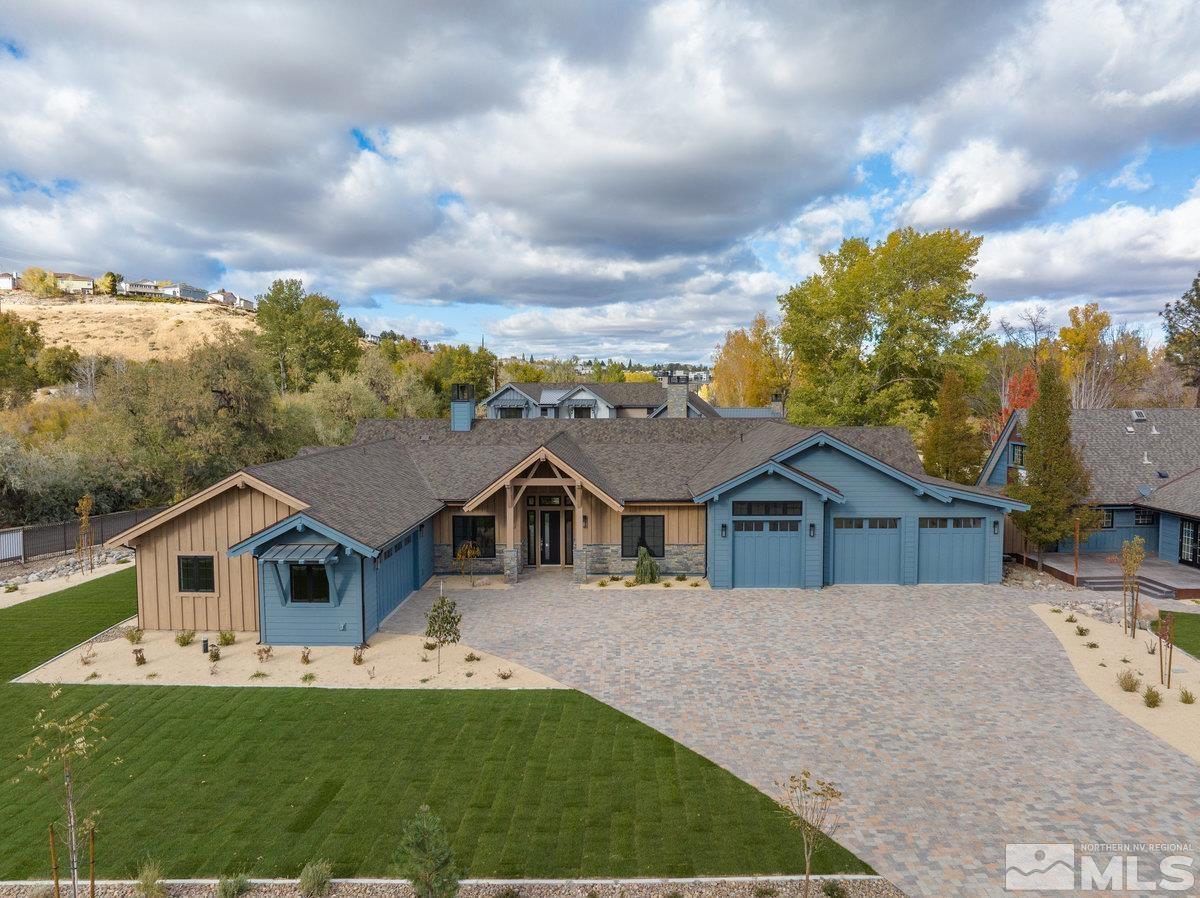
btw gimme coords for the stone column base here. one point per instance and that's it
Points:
(512, 565)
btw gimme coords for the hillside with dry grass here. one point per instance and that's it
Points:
(103, 325)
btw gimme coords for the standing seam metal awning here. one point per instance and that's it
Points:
(514, 402)
(302, 553)
(579, 403)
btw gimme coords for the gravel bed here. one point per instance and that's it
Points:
(768, 887)
(57, 566)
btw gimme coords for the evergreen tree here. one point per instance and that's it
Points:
(953, 448)
(1181, 324)
(425, 857)
(1057, 484)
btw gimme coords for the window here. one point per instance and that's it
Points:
(196, 573)
(638, 530)
(545, 413)
(847, 523)
(759, 509)
(581, 411)
(1017, 454)
(1143, 517)
(866, 523)
(550, 500)
(512, 413)
(951, 523)
(310, 585)
(477, 528)
(785, 526)
(1107, 515)
(748, 526)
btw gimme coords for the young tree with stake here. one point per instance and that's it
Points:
(441, 625)
(811, 807)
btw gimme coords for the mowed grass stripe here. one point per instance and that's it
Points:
(530, 783)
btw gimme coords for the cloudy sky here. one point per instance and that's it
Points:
(600, 177)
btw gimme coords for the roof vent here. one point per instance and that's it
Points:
(1129, 428)
(1145, 458)
(1154, 430)
(1163, 475)
(1137, 415)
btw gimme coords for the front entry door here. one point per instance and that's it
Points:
(1189, 542)
(551, 547)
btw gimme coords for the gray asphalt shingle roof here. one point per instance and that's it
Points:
(1124, 462)
(399, 472)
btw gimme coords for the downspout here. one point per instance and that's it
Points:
(362, 597)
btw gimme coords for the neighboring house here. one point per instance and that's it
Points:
(140, 288)
(232, 300)
(9, 281)
(1143, 465)
(320, 548)
(74, 283)
(597, 400)
(184, 291)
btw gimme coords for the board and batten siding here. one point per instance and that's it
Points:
(208, 529)
(683, 524)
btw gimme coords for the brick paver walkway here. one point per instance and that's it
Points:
(949, 715)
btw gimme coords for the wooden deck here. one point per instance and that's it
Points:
(1157, 577)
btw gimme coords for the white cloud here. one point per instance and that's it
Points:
(1131, 177)
(979, 184)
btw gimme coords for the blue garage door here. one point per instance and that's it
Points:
(951, 550)
(768, 553)
(866, 550)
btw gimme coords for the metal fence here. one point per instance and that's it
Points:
(23, 543)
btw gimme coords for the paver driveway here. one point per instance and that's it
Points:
(949, 715)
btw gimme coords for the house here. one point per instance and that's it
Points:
(9, 281)
(1143, 465)
(183, 291)
(320, 548)
(74, 283)
(597, 400)
(139, 288)
(232, 300)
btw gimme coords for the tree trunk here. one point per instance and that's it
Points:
(72, 840)
(1041, 549)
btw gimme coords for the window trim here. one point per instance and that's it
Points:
(505, 413)
(454, 545)
(178, 556)
(1108, 520)
(642, 538)
(324, 576)
(1015, 449)
(1152, 515)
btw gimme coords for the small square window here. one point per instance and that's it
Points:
(1143, 517)
(1107, 518)
(310, 584)
(197, 573)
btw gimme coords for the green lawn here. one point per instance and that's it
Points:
(530, 783)
(1187, 633)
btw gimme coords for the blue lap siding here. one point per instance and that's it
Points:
(1109, 540)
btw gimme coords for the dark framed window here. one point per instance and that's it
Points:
(1107, 516)
(639, 530)
(1144, 517)
(553, 501)
(197, 573)
(310, 585)
(784, 526)
(951, 523)
(530, 500)
(768, 509)
(748, 526)
(512, 413)
(581, 411)
(1017, 454)
(477, 528)
(866, 523)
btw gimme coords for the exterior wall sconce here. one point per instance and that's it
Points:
(995, 528)
(812, 529)
(724, 530)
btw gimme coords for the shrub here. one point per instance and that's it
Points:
(306, 655)
(833, 889)
(149, 676)
(87, 654)
(226, 637)
(11, 587)
(214, 654)
(429, 645)
(1151, 697)
(1151, 647)
(185, 638)
(1187, 696)
(470, 673)
(505, 674)
(666, 584)
(426, 858)
(1056, 610)
(1093, 645)
(264, 654)
(95, 675)
(1082, 631)
(646, 570)
(133, 634)
(424, 658)
(314, 878)
(764, 891)
(694, 583)
(602, 583)
(1071, 618)
(1129, 681)
(357, 657)
(213, 670)
(139, 657)
(681, 577)
(308, 678)
(1126, 661)
(630, 583)
(149, 880)
(616, 578)
(259, 675)
(472, 658)
(232, 886)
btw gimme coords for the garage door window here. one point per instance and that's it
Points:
(951, 523)
(748, 526)
(767, 509)
(866, 523)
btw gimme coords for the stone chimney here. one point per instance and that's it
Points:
(678, 388)
(462, 406)
(777, 404)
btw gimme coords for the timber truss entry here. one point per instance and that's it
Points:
(539, 474)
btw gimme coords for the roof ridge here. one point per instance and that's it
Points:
(323, 450)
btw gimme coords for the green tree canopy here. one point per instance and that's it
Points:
(873, 332)
(953, 449)
(461, 365)
(56, 365)
(20, 344)
(40, 282)
(1057, 484)
(108, 282)
(304, 335)
(1181, 324)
